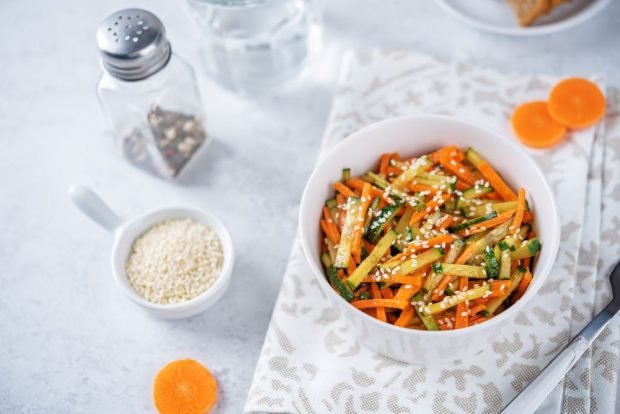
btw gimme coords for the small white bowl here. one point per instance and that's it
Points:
(126, 232)
(411, 136)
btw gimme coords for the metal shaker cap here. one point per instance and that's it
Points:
(133, 44)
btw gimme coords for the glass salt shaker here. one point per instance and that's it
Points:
(149, 94)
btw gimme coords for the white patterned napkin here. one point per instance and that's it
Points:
(310, 361)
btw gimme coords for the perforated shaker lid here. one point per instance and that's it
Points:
(133, 44)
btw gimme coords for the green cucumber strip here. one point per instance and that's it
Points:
(371, 209)
(476, 192)
(372, 260)
(411, 265)
(331, 249)
(331, 203)
(376, 180)
(403, 223)
(473, 157)
(515, 279)
(504, 266)
(468, 223)
(375, 229)
(428, 320)
(327, 261)
(451, 301)
(351, 224)
(527, 250)
(339, 285)
(436, 177)
(502, 207)
(455, 251)
(432, 281)
(474, 272)
(346, 175)
(492, 265)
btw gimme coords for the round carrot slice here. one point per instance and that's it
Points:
(576, 103)
(534, 126)
(184, 387)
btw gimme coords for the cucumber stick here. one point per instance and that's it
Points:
(504, 265)
(475, 272)
(515, 279)
(411, 265)
(343, 255)
(428, 321)
(339, 285)
(385, 216)
(372, 260)
(492, 264)
(527, 250)
(451, 301)
(477, 220)
(480, 210)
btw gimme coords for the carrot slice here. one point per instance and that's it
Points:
(184, 386)
(576, 103)
(457, 168)
(405, 316)
(384, 163)
(331, 232)
(534, 126)
(516, 223)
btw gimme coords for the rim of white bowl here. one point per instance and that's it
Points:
(529, 293)
(589, 12)
(220, 282)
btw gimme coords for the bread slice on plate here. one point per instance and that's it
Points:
(529, 10)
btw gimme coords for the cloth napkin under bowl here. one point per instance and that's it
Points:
(311, 362)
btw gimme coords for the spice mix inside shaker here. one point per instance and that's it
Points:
(149, 94)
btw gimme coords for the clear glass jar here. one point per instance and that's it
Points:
(149, 94)
(254, 45)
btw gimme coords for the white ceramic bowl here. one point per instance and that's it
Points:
(411, 136)
(125, 232)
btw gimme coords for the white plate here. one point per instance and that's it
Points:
(497, 16)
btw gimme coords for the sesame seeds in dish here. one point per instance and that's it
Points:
(434, 242)
(174, 261)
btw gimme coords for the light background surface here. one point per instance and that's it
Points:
(69, 340)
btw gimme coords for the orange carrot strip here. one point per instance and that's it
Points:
(405, 316)
(462, 309)
(526, 262)
(419, 215)
(441, 286)
(380, 303)
(332, 234)
(528, 217)
(499, 288)
(376, 295)
(516, 223)
(386, 293)
(525, 282)
(458, 169)
(351, 266)
(469, 250)
(496, 181)
(488, 224)
(358, 184)
(446, 222)
(461, 186)
(343, 189)
(477, 319)
(394, 170)
(421, 187)
(384, 163)
(477, 308)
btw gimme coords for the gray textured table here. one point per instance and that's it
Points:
(69, 341)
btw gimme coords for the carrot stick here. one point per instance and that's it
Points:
(376, 295)
(421, 187)
(394, 171)
(386, 293)
(351, 267)
(516, 223)
(469, 250)
(462, 309)
(528, 217)
(419, 215)
(441, 286)
(405, 316)
(380, 303)
(477, 308)
(358, 184)
(499, 288)
(343, 189)
(458, 169)
(446, 222)
(525, 282)
(384, 163)
(496, 181)
(461, 186)
(332, 234)
(526, 262)
(488, 224)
